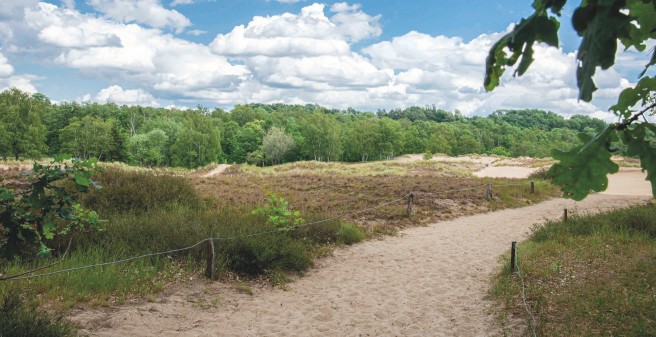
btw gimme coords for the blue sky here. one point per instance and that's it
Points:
(369, 54)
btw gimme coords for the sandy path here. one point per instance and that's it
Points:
(217, 170)
(428, 281)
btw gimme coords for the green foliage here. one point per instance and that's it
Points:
(584, 168)
(148, 149)
(22, 133)
(276, 144)
(350, 234)
(46, 209)
(600, 23)
(132, 191)
(268, 252)
(19, 319)
(198, 143)
(499, 151)
(88, 137)
(428, 155)
(278, 213)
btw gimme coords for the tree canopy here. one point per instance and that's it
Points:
(601, 24)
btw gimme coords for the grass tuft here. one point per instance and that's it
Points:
(18, 319)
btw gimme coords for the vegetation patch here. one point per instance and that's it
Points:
(589, 276)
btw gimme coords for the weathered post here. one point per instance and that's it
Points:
(565, 215)
(411, 201)
(211, 269)
(513, 256)
(488, 192)
(532, 187)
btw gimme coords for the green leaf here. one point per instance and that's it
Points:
(59, 158)
(600, 23)
(49, 230)
(6, 194)
(639, 146)
(81, 180)
(629, 97)
(584, 168)
(536, 28)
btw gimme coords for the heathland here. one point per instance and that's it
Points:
(441, 268)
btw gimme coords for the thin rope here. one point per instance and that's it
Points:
(519, 273)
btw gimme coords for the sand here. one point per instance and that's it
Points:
(427, 281)
(217, 170)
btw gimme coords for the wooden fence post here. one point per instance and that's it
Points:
(411, 198)
(565, 215)
(513, 256)
(488, 192)
(211, 269)
(532, 187)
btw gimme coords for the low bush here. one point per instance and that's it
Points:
(18, 319)
(350, 234)
(257, 254)
(134, 191)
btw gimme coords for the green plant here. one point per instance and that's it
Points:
(428, 155)
(278, 214)
(19, 319)
(349, 234)
(46, 208)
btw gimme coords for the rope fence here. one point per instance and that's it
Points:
(533, 321)
(409, 197)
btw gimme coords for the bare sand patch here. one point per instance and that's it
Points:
(216, 170)
(628, 181)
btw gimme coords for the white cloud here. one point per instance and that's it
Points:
(12, 9)
(131, 52)
(181, 2)
(6, 69)
(309, 33)
(9, 80)
(149, 12)
(116, 94)
(197, 32)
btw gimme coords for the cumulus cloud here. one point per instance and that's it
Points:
(116, 94)
(293, 55)
(450, 72)
(149, 12)
(309, 33)
(131, 52)
(181, 2)
(9, 80)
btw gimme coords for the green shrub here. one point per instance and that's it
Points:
(428, 155)
(130, 191)
(500, 151)
(268, 252)
(18, 319)
(349, 234)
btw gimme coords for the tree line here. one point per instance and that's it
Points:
(32, 127)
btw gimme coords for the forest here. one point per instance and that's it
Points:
(32, 127)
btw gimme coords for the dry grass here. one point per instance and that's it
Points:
(340, 188)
